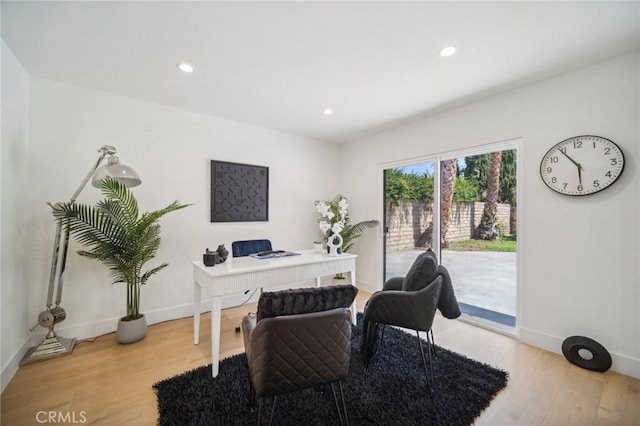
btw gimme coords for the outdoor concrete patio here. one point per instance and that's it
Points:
(480, 278)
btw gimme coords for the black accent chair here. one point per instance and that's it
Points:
(410, 302)
(299, 339)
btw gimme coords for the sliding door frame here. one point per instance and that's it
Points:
(436, 159)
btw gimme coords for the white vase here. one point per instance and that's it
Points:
(334, 243)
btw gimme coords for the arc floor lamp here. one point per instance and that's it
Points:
(54, 345)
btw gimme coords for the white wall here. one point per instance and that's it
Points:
(171, 149)
(13, 290)
(579, 256)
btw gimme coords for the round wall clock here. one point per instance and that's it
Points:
(582, 165)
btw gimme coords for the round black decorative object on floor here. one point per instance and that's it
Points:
(586, 353)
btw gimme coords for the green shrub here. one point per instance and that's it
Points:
(466, 191)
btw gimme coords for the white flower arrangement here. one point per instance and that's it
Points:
(334, 219)
(334, 215)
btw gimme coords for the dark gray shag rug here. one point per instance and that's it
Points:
(393, 391)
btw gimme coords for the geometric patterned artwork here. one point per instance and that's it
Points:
(239, 192)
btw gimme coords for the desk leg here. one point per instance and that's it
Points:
(354, 309)
(215, 334)
(197, 294)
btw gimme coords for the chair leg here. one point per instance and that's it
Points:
(429, 346)
(259, 411)
(252, 395)
(340, 408)
(369, 330)
(433, 343)
(424, 362)
(273, 410)
(344, 406)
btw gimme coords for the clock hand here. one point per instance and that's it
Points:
(579, 174)
(578, 165)
(570, 159)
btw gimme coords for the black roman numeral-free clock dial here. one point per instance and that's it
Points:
(582, 165)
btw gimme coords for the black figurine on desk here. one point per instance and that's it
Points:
(223, 253)
(210, 258)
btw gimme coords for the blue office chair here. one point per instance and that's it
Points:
(247, 247)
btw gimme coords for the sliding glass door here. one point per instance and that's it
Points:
(463, 206)
(478, 235)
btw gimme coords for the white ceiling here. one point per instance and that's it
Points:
(279, 64)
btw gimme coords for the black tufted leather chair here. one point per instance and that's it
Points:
(299, 339)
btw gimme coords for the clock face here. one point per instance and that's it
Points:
(582, 165)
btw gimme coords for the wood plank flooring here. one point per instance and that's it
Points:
(110, 384)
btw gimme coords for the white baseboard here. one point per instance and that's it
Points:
(106, 326)
(99, 328)
(622, 364)
(368, 287)
(9, 370)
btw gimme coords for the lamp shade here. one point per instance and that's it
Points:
(118, 171)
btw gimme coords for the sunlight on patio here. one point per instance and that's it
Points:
(480, 278)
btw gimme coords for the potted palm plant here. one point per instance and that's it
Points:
(117, 235)
(334, 219)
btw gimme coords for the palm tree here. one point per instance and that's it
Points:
(486, 230)
(118, 236)
(448, 173)
(448, 184)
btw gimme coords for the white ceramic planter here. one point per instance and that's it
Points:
(131, 331)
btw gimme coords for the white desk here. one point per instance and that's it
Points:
(240, 274)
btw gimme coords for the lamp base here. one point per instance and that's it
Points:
(51, 347)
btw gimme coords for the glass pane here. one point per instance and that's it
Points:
(408, 215)
(477, 229)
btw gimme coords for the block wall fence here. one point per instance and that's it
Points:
(409, 219)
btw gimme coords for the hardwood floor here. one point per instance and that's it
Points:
(105, 383)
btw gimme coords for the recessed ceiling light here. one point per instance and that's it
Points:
(183, 66)
(327, 111)
(447, 51)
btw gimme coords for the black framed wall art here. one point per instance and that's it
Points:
(239, 192)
